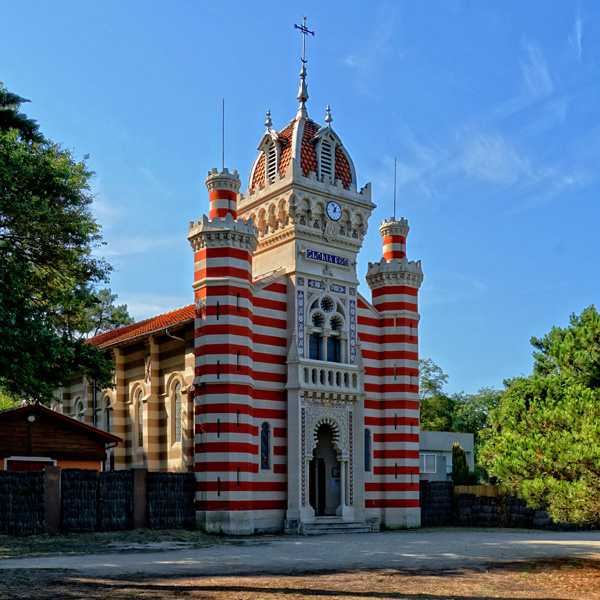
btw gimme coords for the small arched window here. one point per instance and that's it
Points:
(177, 412)
(265, 446)
(367, 449)
(79, 410)
(140, 419)
(108, 416)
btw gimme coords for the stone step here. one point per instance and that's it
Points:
(330, 526)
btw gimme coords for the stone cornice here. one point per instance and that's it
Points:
(225, 231)
(393, 271)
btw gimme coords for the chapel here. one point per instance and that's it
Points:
(291, 396)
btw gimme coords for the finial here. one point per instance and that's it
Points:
(303, 89)
(328, 117)
(268, 121)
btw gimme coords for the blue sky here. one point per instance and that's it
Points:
(492, 110)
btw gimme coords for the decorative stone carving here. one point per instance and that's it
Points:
(336, 418)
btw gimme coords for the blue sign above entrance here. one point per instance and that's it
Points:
(341, 261)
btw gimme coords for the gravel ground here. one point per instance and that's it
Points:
(422, 549)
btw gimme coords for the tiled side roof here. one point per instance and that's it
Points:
(259, 173)
(308, 152)
(129, 332)
(342, 168)
(286, 152)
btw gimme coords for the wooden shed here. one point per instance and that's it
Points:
(33, 436)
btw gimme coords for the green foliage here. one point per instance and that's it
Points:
(460, 467)
(464, 413)
(436, 407)
(7, 402)
(544, 444)
(47, 268)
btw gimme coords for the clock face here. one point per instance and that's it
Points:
(334, 211)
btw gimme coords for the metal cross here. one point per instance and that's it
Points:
(304, 31)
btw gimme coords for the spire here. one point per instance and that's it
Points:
(303, 88)
(268, 121)
(328, 117)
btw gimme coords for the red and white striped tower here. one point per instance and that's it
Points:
(223, 189)
(395, 283)
(394, 238)
(226, 442)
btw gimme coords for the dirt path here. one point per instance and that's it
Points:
(424, 549)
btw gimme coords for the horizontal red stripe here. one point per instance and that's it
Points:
(223, 252)
(269, 413)
(241, 505)
(220, 329)
(226, 427)
(395, 306)
(391, 487)
(270, 321)
(390, 438)
(245, 486)
(389, 388)
(222, 195)
(392, 405)
(271, 340)
(211, 466)
(237, 447)
(236, 389)
(389, 503)
(388, 454)
(391, 470)
(226, 271)
(222, 290)
(269, 304)
(279, 288)
(394, 289)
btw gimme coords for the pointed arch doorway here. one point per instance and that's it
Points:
(324, 474)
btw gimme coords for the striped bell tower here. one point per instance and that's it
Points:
(226, 443)
(394, 283)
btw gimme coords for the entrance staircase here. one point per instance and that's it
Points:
(330, 525)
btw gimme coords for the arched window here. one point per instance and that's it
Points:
(140, 419)
(326, 315)
(367, 450)
(79, 410)
(265, 446)
(177, 412)
(108, 417)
